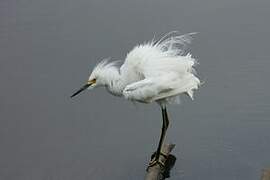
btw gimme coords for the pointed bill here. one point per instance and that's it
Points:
(84, 87)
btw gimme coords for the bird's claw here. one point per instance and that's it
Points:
(154, 161)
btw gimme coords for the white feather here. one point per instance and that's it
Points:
(155, 71)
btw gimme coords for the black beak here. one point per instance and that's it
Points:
(80, 90)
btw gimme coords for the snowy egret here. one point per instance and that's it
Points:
(156, 71)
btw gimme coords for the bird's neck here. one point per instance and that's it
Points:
(114, 82)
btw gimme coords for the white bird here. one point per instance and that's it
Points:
(156, 71)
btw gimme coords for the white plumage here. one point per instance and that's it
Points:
(154, 71)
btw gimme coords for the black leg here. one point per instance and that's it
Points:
(165, 124)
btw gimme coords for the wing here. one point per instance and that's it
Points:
(162, 87)
(146, 89)
(158, 70)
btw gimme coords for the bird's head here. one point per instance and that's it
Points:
(93, 81)
(98, 77)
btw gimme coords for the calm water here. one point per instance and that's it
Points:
(48, 48)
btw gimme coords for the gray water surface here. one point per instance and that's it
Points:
(48, 49)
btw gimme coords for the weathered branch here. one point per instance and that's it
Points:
(157, 172)
(265, 174)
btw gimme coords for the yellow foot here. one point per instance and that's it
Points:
(156, 162)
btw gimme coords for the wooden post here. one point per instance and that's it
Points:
(160, 173)
(265, 174)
